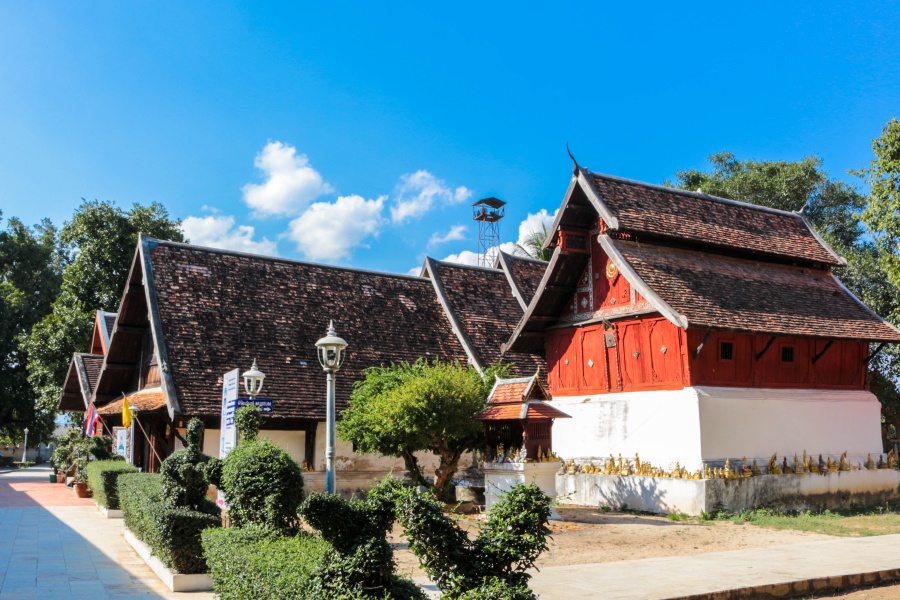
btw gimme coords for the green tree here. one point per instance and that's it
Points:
(30, 275)
(834, 208)
(533, 244)
(98, 245)
(830, 205)
(414, 407)
(882, 214)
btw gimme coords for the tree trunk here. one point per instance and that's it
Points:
(443, 476)
(413, 469)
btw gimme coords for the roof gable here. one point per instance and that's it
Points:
(482, 308)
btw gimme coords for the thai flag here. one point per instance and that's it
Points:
(91, 421)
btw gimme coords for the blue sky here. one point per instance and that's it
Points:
(358, 133)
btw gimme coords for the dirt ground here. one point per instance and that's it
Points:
(890, 592)
(586, 535)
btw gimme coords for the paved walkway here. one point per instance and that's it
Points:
(773, 572)
(55, 545)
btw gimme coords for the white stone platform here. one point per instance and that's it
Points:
(499, 478)
(176, 582)
(792, 492)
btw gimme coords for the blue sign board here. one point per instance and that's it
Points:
(264, 404)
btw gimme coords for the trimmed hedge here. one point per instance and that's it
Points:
(173, 534)
(102, 478)
(256, 562)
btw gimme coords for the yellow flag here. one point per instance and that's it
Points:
(126, 412)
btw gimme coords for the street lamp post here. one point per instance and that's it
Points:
(331, 355)
(25, 451)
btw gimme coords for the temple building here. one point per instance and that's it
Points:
(189, 314)
(691, 329)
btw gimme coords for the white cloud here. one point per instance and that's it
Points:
(534, 223)
(467, 257)
(290, 182)
(329, 231)
(457, 232)
(415, 271)
(418, 191)
(221, 232)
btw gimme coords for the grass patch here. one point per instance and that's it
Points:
(852, 523)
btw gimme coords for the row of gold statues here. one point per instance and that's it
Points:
(628, 467)
(520, 455)
(307, 468)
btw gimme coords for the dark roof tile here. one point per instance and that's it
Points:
(745, 295)
(220, 310)
(698, 218)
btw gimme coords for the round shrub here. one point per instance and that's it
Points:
(262, 485)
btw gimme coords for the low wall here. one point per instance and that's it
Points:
(787, 492)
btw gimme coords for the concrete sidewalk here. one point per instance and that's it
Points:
(55, 545)
(773, 572)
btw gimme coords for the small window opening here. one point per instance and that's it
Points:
(787, 354)
(726, 350)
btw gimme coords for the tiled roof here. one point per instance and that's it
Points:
(719, 292)
(220, 310)
(91, 364)
(525, 272)
(533, 410)
(697, 218)
(486, 309)
(514, 391)
(144, 401)
(109, 320)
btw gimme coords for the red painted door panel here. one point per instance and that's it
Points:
(593, 357)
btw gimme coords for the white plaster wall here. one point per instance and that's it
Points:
(738, 422)
(661, 426)
(294, 443)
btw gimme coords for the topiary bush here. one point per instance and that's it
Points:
(102, 478)
(257, 562)
(172, 533)
(361, 561)
(184, 472)
(262, 484)
(495, 564)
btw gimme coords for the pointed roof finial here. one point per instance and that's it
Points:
(331, 329)
(575, 165)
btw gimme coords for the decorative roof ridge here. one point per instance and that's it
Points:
(699, 195)
(822, 241)
(155, 242)
(513, 284)
(862, 304)
(145, 245)
(455, 325)
(463, 265)
(527, 258)
(628, 272)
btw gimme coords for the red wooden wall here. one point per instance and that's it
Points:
(840, 367)
(642, 354)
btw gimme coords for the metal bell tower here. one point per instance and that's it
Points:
(488, 213)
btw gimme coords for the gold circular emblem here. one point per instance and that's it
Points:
(611, 270)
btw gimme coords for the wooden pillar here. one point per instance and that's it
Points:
(310, 438)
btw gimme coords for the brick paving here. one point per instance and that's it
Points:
(55, 545)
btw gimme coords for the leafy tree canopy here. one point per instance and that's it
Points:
(882, 215)
(830, 205)
(98, 245)
(30, 277)
(413, 407)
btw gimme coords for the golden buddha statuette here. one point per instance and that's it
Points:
(843, 465)
(870, 464)
(785, 468)
(754, 468)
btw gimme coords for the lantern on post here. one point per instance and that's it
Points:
(331, 355)
(253, 380)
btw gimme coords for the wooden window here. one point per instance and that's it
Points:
(787, 354)
(726, 350)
